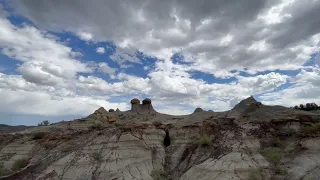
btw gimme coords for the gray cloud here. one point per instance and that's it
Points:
(278, 32)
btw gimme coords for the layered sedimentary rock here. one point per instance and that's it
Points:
(269, 143)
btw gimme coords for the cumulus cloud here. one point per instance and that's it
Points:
(39, 52)
(305, 89)
(263, 83)
(85, 36)
(100, 50)
(220, 35)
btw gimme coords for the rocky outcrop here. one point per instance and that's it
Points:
(104, 116)
(197, 110)
(270, 143)
(245, 107)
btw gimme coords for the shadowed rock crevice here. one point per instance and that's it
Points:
(167, 140)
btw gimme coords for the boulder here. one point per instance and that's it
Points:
(111, 110)
(112, 118)
(146, 101)
(135, 101)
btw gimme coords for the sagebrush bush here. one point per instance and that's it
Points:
(204, 141)
(19, 164)
(254, 174)
(39, 135)
(311, 129)
(159, 175)
(272, 155)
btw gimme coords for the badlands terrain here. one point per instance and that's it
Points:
(250, 142)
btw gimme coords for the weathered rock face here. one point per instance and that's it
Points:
(270, 143)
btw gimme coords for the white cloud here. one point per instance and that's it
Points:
(85, 36)
(36, 73)
(262, 83)
(40, 53)
(305, 89)
(104, 67)
(100, 50)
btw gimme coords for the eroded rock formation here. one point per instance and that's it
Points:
(251, 141)
(146, 106)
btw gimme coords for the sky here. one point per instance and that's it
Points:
(61, 60)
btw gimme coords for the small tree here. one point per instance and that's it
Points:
(302, 106)
(44, 123)
(308, 107)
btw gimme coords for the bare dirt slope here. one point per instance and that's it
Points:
(251, 141)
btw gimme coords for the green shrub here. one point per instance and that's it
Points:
(277, 142)
(204, 141)
(39, 135)
(254, 174)
(311, 129)
(4, 171)
(159, 175)
(272, 155)
(19, 164)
